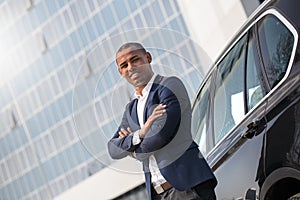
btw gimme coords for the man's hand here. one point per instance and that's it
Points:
(157, 112)
(124, 133)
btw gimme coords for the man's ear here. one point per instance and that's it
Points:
(149, 57)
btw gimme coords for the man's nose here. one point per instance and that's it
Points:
(130, 66)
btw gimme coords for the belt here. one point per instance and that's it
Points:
(162, 187)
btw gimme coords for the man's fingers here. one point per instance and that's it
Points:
(160, 109)
(121, 135)
(123, 132)
(129, 130)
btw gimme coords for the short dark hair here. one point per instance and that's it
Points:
(136, 45)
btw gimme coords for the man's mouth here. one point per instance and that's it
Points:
(134, 75)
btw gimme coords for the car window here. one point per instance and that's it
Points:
(242, 79)
(255, 87)
(200, 118)
(276, 42)
(228, 103)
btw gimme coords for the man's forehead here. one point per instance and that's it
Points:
(128, 51)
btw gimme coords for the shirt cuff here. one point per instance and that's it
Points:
(136, 138)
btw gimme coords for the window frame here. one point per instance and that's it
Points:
(246, 35)
(263, 46)
(252, 32)
(209, 142)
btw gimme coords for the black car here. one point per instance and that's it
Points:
(247, 112)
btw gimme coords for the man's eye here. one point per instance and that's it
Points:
(135, 60)
(123, 66)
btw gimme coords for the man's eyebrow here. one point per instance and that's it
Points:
(123, 63)
(131, 58)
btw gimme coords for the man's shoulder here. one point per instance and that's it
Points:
(131, 103)
(170, 82)
(165, 79)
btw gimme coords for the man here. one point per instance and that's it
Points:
(156, 129)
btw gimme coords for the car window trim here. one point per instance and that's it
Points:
(291, 28)
(258, 61)
(262, 66)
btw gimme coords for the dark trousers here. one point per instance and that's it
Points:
(203, 191)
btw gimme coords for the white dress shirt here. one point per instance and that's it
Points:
(156, 176)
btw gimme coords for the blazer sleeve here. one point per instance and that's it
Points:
(173, 94)
(121, 147)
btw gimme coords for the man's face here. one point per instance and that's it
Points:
(134, 66)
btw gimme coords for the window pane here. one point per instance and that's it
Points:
(58, 26)
(4, 171)
(40, 148)
(229, 95)
(24, 159)
(200, 118)
(254, 78)
(121, 9)
(91, 5)
(67, 19)
(276, 43)
(82, 8)
(109, 21)
(75, 13)
(158, 14)
(31, 155)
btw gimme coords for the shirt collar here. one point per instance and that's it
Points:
(146, 89)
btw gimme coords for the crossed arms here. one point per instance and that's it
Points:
(159, 129)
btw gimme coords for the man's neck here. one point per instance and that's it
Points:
(139, 90)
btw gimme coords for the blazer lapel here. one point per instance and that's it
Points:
(149, 103)
(133, 113)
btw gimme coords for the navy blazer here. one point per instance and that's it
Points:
(169, 138)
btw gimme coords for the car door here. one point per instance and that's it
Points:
(236, 114)
(278, 172)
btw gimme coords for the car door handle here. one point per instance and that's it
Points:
(254, 128)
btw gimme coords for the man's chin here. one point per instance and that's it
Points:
(138, 83)
(138, 86)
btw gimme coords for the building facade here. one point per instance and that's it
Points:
(60, 90)
(61, 97)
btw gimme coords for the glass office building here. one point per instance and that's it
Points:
(61, 96)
